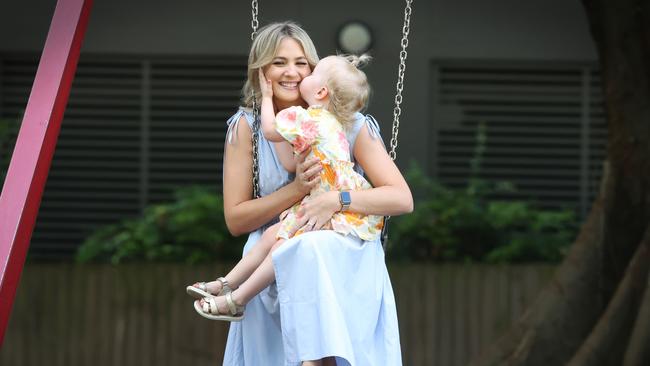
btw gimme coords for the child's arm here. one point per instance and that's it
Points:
(267, 114)
(282, 147)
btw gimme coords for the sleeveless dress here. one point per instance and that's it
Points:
(332, 295)
(319, 129)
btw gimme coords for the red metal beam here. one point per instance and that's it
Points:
(32, 157)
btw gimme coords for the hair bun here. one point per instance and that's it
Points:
(358, 61)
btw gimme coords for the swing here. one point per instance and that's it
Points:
(397, 111)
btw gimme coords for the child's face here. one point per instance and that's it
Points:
(311, 87)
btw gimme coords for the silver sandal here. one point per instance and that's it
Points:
(210, 310)
(200, 290)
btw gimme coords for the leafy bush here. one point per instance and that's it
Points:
(471, 225)
(190, 229)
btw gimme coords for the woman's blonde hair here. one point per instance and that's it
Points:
(348, 87)
(265, 47)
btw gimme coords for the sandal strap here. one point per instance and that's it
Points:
(212, 305)
(225, 286)
(231, 304)
(205, 306)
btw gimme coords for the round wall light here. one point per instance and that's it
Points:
(354, 37)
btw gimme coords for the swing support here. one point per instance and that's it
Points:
(32, 157)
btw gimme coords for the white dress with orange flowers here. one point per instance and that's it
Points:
(319, 129)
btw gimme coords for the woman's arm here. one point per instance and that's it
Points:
(244, 214)
(391, 195)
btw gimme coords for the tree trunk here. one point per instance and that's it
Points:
(638, 351)
(592, 294)
(608, 340)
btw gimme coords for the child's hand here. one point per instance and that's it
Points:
(265, 85)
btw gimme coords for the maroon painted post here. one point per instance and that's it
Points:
(32, 157)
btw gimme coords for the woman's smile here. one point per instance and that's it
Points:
(289, 85)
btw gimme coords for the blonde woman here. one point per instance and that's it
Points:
(332, 301)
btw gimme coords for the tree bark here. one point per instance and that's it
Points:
(607, 342)
(572, 315)
(638, 351)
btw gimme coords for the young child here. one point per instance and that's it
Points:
(335, 91)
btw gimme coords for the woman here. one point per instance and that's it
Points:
(333, 292)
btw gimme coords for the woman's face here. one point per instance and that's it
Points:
(286, 71)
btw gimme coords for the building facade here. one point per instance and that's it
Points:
(157, 80)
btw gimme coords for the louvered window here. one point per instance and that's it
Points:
(134, 129)
(544, 126)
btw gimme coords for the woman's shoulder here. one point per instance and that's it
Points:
(361, 120)
(242, 113)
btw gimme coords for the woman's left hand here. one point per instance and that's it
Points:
(317, 211)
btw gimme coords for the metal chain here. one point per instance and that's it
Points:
(398, 101)
(400, 78)
(254, 22)
(256, 122)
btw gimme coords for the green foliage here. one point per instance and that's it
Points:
(470, 225)
(190, 229)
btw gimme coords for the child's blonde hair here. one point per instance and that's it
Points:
(265, 47)
(348, 86)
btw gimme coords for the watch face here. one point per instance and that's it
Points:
(345, 198)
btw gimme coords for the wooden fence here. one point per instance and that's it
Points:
(99, 315)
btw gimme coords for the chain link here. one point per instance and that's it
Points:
(256, 121)
(254, 22)
(256, 161)
(397, 111)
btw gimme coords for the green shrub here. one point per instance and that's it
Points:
(190, 229)
(471, 225)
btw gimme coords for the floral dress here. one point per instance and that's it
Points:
(319, 129)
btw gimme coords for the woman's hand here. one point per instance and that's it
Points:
(317, 211)
(265, 85)
(307, 172)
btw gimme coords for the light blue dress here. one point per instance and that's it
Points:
(332, 295)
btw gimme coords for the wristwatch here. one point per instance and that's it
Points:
(345, 199)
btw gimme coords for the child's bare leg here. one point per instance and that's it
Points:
(245, 267)
(262, 277)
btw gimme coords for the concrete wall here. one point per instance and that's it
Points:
(540, 30)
